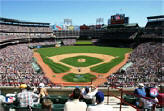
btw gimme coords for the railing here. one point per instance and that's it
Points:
(15, 83)
(122, 101)
(119, 96)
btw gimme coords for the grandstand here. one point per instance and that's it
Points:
(154, 28)
(15, 31)
(36, 35)
(15, 38)
(18, 38)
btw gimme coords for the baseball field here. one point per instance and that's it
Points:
(80, 64)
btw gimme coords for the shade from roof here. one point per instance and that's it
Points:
(18, 21)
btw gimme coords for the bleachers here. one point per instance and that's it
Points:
(153, 24)
(154, 29)
(20, 28)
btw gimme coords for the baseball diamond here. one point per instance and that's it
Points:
(61, 64)
(59, 59)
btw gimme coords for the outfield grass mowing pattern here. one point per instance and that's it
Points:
(73, 61)
(57, 68)
(103, 68)
(71, 77)
(51, 51)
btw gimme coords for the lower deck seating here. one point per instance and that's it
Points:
(58, 104)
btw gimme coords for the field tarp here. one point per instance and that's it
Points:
(126, 66)
(36, 67)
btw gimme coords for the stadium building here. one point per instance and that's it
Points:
(137, 50)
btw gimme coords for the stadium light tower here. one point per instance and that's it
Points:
(68, 22)
(99, 21)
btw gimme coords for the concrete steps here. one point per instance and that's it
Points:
(115, 103)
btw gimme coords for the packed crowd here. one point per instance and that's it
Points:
(69, 41)
(147, 66)
(12, 36)
(16, 67)
(45, 43)
(17, 28)
(66, 33)
(16, 63)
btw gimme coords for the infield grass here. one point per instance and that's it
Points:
(73, 61)
(103, 68)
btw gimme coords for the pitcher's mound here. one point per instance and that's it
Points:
(80, 70)
(81, 60)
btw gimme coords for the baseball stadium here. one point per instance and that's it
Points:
(114, 58)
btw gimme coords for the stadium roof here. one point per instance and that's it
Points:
(23, 22)
(155, 17)
(124, 25)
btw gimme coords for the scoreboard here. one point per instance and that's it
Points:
(119, 19)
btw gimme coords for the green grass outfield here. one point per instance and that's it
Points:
(56, 67)
(103, 68)
(83, 42)
(73, 61)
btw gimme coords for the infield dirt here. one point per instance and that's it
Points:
(83, 70)
(101, 78)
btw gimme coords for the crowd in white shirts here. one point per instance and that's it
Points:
(16, 67)
(147, 61)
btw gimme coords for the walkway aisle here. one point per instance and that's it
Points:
(114, 102)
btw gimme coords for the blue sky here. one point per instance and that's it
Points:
(80, 11)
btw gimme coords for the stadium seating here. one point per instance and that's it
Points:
(146, 68)
(58, 104)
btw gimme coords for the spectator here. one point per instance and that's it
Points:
(88, 94)
(26, 97)
(47, 104)
(100, 104)
(148, 103)
(75, 104)
(2, 99)
(151, 93)
(71, 95)
(161, 95)
(42, 90)
(44, 100)
(140, 91)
